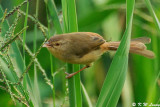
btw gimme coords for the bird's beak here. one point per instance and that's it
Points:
(47, 45)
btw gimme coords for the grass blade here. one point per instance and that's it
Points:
(70, 25)
(71, 86)
(24, 41)
(71, 82)
(86, 97)
(17, 59)
(27, 81)
(36, 85)
(52, 61)
(54, 16)
(73, 27)
(24, 34)
(115, 78)
(153, 90)
(149, 6)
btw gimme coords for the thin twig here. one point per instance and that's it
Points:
(36, 21)
(13, 26)
(15, 9)
(8, 86)
(143, 15)
(4, 15)
(34, 59)
(44, 74)
(12, 39)
(2, 20)
(15, 96)
(37, 64)
(57, 71)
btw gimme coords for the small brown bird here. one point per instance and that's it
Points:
(87, 47)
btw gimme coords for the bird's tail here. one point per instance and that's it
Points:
(137, 46)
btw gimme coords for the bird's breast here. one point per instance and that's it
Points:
(87, 58)
(74, 59)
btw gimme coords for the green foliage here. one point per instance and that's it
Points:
(18, 64)
(30, 76)
(70, 25)
(115, 78)
(53, 13)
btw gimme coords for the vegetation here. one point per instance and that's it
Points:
(31, 76)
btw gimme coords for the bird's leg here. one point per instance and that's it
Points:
(72, 74)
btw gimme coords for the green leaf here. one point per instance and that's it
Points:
(153, 90)
(54, 16)
(149, 6)
(16, 58)
(70, 25)
(86, 97)
(94, 17)
(36, 83)
(73, 27)
(71, 82)
(24, 34)
(115, 78)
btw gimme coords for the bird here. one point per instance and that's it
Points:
(86, 47)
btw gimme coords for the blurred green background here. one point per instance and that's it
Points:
(107, 18)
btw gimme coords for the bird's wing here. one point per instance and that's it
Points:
(85, 42)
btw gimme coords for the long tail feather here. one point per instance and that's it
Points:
(145, 53)
(145, 40)
(137, 46)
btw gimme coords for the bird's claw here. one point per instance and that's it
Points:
(68, 75)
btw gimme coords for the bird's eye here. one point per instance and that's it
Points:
(57, 44)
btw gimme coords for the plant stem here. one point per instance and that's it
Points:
(54, 16)
(51, 7)
(13, 39)
(74, 82)
(36, 85)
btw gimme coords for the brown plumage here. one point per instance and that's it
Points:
(86, 47)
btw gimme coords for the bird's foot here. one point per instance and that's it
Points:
(68, 75)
